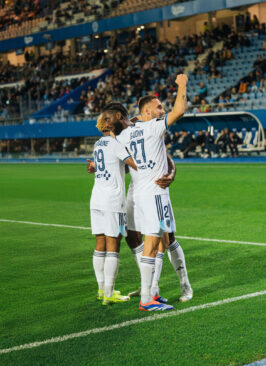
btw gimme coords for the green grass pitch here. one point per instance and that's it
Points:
(48, 286)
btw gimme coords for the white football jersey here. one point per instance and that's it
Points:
(108, 193)
(145, 142)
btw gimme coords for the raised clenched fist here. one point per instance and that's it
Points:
(181, 79)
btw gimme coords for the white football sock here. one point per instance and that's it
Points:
(137, 253)
(177, 258)
(98, 266)
(110, 272)
(146, 269)
(155, 291)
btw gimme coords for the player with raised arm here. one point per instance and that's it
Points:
(108, 211)
(145, 141)
(150, 106)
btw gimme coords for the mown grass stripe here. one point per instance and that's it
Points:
(130, 322)
(177, 236)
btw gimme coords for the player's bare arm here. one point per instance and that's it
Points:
(181, 100)
(90, 166)
(167, 179)
(130, 162)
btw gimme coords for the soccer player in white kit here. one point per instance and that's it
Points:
(153, 208)
(108, 211)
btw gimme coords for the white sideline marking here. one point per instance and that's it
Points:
(130, 322)
(258, 363)
(177, 236)
(220, 240)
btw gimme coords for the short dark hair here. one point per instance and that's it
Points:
(145, 100)
(116, 107)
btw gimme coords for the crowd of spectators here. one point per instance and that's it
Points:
(139, 66)
(16, 13)
(183, 142)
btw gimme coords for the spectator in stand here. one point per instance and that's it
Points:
(202, 92)
(243, 87)
(262, 86)
(254, 87)
(177, 135)
(227, 54)
(196, 104)
(255, 22)
(211, 148)
(233, 141)
(100, 85)
(247, 22)
(234, 96)
(260, 64)
(198, 141)
(222, 142)
(60, 114)
(221, 102)
(227, 101)
(183, 142)
(204, 107)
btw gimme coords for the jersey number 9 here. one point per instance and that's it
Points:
(99, 160)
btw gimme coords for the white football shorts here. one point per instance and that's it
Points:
(133, 216)
(108, 223)
(156, 214)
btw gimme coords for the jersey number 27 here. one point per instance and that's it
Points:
(134, 147)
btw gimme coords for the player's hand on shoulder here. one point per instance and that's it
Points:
(181, 79)
(164, 181)
(90, 166)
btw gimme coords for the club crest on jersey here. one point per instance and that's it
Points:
(107, 175)
(151, 164)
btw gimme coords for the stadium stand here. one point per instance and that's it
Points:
(142, 66)
(226, 69)
(19, 19)
(132, 6)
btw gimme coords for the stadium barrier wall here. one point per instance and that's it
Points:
(189, 122)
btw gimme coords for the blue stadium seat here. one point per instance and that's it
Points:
(252, 96)
(243, 133)
(253, 135)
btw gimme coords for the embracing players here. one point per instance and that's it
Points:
(145, 140)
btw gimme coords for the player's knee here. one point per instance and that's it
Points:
(171, 238)
(100, 243)
(133, 239)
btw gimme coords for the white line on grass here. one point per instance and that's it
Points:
(220, 240)
(177, 236)
(130, 322)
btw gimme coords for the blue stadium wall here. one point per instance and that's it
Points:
(88, 128)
